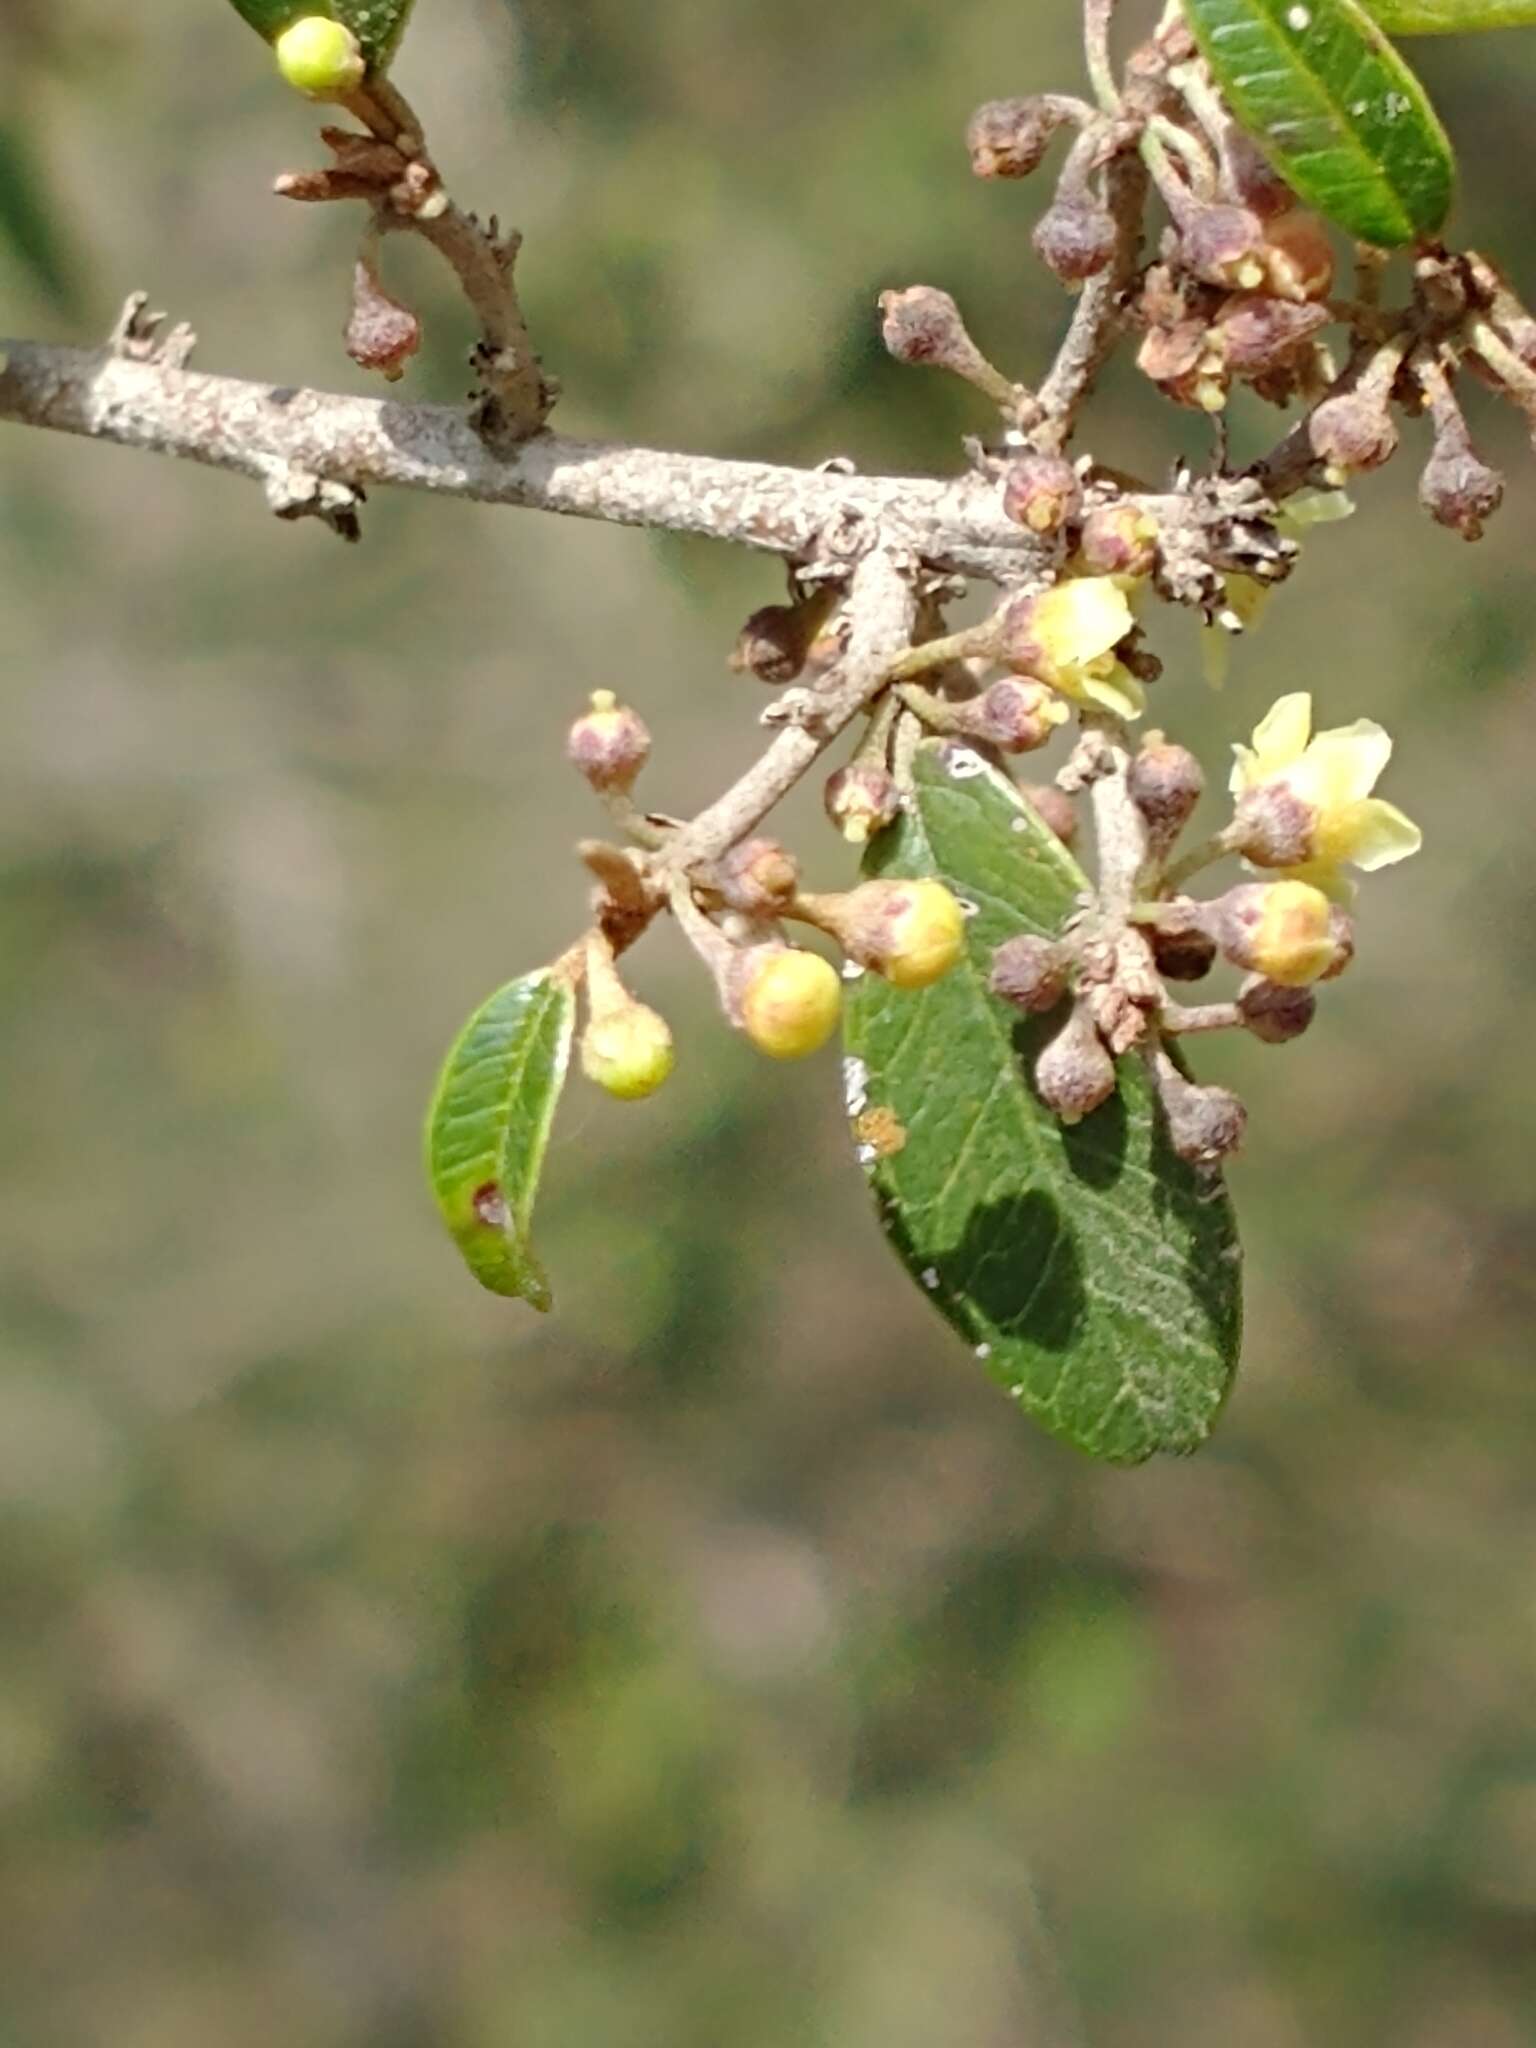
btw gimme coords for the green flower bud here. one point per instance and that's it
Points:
(320, 58)
(628, 1051)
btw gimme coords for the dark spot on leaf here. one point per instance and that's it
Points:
(490, 1205)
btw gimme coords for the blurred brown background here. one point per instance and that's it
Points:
(720, 1663)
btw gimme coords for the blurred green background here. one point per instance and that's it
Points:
(719, 1663)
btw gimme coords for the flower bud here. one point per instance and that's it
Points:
(320, 58)
(775, 642)
(1053, 807)
(1223, 245)
(1075, 1073)
(1031, 973)
(1009, 138)
(609, 743)
(1458, 488)
(1298, 256)
(1041, 493)
(924, 325)
(1273, 827)
(1355, 431)
(1183, 956)
(1257, 334)
(1165, 784)
(628, 1051)
(910, 933)
(861, 800)
(785, 1000)
(1275, 1014)
(1281, 930)
(1342, 927)
(1075, 237)
(381, 334)
(1205, 1125)
(1119, 540)
(1014, 714)
(758, 877)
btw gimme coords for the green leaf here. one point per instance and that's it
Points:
(377, 24)
(489, 1124)
(1451, 17)
(1332, 104)
(27, 218)
(1094, 1274)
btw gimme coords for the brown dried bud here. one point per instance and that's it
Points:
(1223, 245)
(1054, 808)
(1119, 540)
(1041, 492)
(1165, 782)
(1275, 1014)
(1355, 431)
(1273, 827)
(1009, 138)
(1015, 714)
(861, 800)
(608, 744)
(1258, 334)
(1205, 1125)
(923, 325)
(1458, 488)
(1075, 1073)
(758, 877)
(775, 641)
(381, 333)
(1183, 956)
(1298, 256)
(1075, 237)
(1031, 973)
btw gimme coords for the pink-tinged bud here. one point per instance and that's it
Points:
(1053, 807)
(1031, 973)
(774, 643)
(1014, 715)
(1009, 138)
(1075, 237)
(923, 325)
(1273, 827)
(1165, 783)
(1119, 540)
(608, 744)
(1075, 1073)
(1041, 493)
(1183, 956)
(1458, 488)
(1353, 432)
(1205, 1125)
(1275, 1014)
(758, 877)
(910, 932)
(1298, 256)
(1223, 245)
(381, 334)
(1258, 334)
(861, 800)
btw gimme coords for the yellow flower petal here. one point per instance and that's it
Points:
(1279, 739)
(1380, 835)
(1116, 689)
(1081, 619)
(1350, 759)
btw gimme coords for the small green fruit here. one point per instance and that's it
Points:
(789, 1001)
(628, 1051)
(320, 58)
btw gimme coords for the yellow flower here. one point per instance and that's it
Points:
(1067, 637)
(1304, 802)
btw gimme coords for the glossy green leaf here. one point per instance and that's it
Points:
(489, 1125)
(1451, 17)
(377, 24)
(1324, 94)
(1093, 1273)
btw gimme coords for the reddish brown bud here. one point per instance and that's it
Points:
(1205, 1125)
(1031, 973)
(1458, 488)
(861, 800)
(1165, 784)
(1075, 237)
(775, 641)
(609, 744)
(1355, 431)
(1054, 808)
(1223, 245)
(1041, 492)
(1014, 714)
(1119, 540)
(1298, 256)
(1183, 956)
(381, 334)
(1075, 1073)
(1258, 334)
(1275, 1014)
(923, 325)
(1009, 138)
(758, 877)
